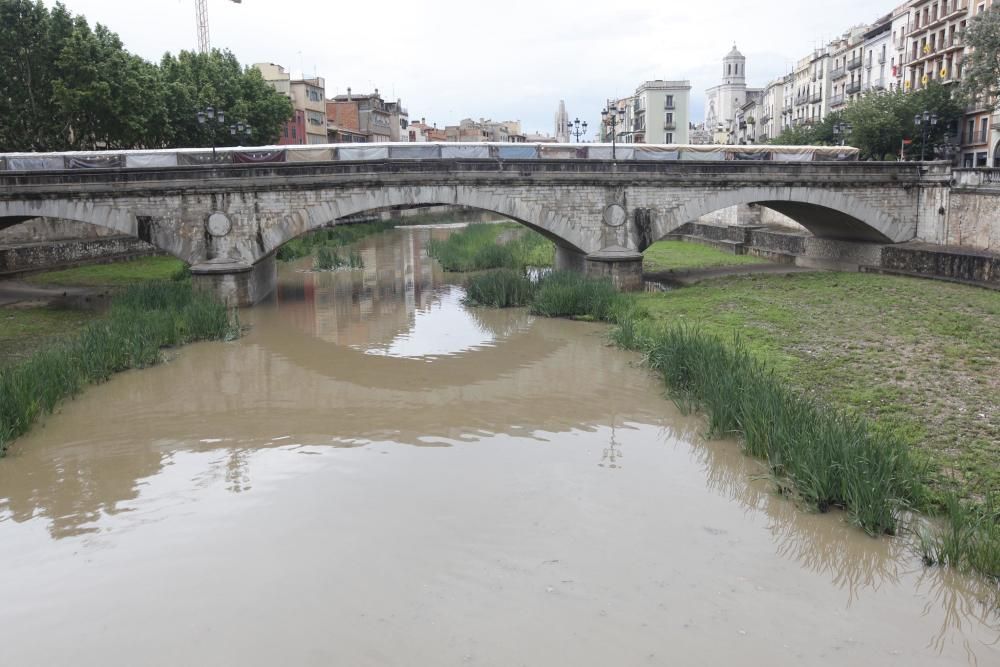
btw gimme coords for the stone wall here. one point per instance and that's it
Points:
(26, 257)
(982, 267)
(973, 220)
(52, 229)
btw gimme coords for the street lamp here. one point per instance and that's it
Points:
(612, 118)
(925, 121)
(213, 120)
(841, 130)
(575, 129)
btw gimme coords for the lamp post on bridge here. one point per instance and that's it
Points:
(212, 119)
(612, 118)
(841, 130)
(925, 121)
(575, 129)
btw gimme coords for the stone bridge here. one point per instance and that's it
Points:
(227, 221)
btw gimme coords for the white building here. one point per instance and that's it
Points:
(876, 71)
(658, 113)
(722, 102)
(562, 124)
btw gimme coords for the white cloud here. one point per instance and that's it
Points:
(453, 59)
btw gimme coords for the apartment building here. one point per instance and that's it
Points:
(770, 119)
(876, 73)
(370, 116)
(302, 128)
(658, 113)
(810, 80)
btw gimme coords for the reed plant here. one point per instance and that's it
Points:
(502, 288)
(828, 458)
(141, 321)
(477, 247)
(571, 294)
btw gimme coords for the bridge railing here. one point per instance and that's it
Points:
(146, 159)
(976, 178)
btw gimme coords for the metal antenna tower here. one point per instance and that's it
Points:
(204, 38)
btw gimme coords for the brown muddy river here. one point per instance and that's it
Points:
(376, 475)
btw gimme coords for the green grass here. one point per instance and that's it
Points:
(570, 294)
(118, 274)
(921, 358)
(331, 238)
(141, 321)
(685, 256)
(502, 288)
(478, 247)
(827, 458)
(25, 330)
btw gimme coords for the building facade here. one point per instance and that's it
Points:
(658, 113)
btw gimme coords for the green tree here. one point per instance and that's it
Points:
(981, 77)
(798, 135)
(194, 81)
(67, 86)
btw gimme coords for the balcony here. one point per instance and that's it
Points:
(669, 126)
(853, 87)
(816, 97)
(959, 9)
(877, 84)
(838, 72)
(854, 63)
(669, 106)
(837, 100)
(801, 99)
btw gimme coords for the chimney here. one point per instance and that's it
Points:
(376, 92)
(348, 93)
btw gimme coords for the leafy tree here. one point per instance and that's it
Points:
(798, 135)
(196, 80)
(981, 78)
(67, 86)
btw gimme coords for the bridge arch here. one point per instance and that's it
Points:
(120, 220)
(548, 222)
(824, 212)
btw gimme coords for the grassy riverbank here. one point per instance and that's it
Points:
(686, 256)
(870, 393)
(140, 322)
(480, 247)
(117, 274)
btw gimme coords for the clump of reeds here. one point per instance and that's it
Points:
(503, 288)
(477, 248)
(570, 294)
(967, 537)
(141, 321)
(829, 458)
(331, 237)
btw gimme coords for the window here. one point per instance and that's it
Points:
(669, 119)
(967, 160)
(315, 95)
(971, 131)
(668, 138)
(984, 131)
(670, 102)
(980, 159)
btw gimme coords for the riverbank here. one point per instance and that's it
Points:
(140, 321)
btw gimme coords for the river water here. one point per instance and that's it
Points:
(376, 475)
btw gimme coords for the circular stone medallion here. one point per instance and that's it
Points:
(614, 215)
(219, 224)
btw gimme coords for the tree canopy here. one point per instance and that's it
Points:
(880, 121)
(981, 77)
(72, 87)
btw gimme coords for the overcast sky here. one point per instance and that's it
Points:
(513, 60)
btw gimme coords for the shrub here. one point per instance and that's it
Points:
(569, 294)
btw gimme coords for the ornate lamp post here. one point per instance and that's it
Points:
(612, 118)
(213, 119)
(841, 130)
(925, 121)
(576, 129)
